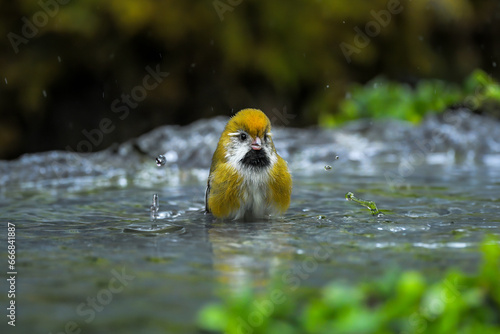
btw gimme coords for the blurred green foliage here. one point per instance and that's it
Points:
(482, 92)
(397, 303)
(381, 98)
(64, 62)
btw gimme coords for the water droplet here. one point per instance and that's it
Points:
(44, 92)
(155, 207)
(327, 86)
(494, 64)
(59, 58)
(161, 160)
(328, 167)
(6, 82)
(343, 22)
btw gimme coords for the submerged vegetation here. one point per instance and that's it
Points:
(404, 302)
(370, 205)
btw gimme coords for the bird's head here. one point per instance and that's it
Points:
(247, 140)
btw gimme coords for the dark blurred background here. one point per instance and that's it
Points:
(82, 75)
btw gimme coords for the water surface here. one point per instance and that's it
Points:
(90, 257)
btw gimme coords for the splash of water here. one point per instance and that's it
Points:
(367, 204)
(155, 207)
(154, 228)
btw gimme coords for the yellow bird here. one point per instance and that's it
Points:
(248, 179)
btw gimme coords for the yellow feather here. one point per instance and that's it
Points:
(281, 185)
(224, 191)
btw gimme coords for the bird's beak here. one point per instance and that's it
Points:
(256, 144)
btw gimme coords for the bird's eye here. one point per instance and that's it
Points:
(243, 136)
(265, 137)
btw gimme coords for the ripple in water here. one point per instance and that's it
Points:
(154, 227)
